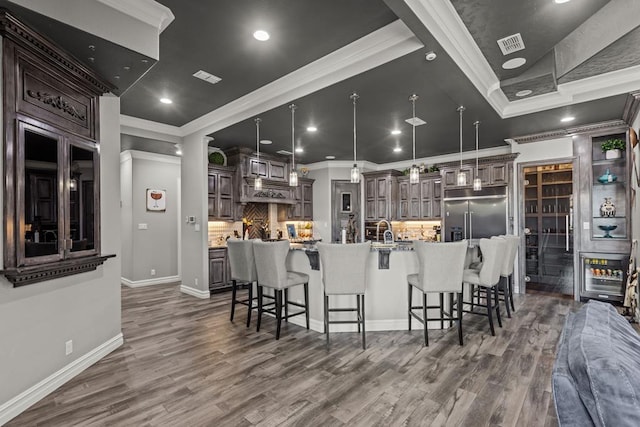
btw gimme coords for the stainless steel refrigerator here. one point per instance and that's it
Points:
(475, 215)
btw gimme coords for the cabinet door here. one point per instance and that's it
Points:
(307, 211)
(216, 272)
(277, 171)
(499, 174)
(437, 189)
(427, 206)
(381, 209)
(426, 189)
(212, 183)
(382, 190)
(404, 209)
(484, 173)
(370, 209)
(307, 192)
(370, 188)
(436, 208)
(225, 196)
(258, 167)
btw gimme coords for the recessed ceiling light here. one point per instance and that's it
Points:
(522, 93)
(299, 150)
(329, 157)
(266, 142)
(430, 56)
(166, 101)
(396, 132)
(514, 63)
(261, 35)
(567, 119)
(397, 149)
(312, 129)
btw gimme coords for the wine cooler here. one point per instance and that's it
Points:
(603, 276)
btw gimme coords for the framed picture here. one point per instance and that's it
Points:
(345, 202)
(156, 200)
(291, 229)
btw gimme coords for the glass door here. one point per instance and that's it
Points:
(548, 219)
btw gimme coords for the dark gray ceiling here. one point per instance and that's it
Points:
(216, 37)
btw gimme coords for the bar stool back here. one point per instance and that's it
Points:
(507, 269)
(270, 259)
(487, 278)
(243, 271)
(344, 272)
(440, 269)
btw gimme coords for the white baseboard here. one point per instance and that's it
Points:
(149, 282)
(24, 400)
(195, 292)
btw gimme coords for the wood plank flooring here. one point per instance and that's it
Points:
(184, 364)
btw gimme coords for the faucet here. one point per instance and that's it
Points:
(387, 236)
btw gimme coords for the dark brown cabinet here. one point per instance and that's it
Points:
(302, 209)
(219, 272)
(381, 195)
(221, 203)
(492, 171)
(421, 200)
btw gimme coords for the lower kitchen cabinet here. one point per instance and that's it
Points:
(219, 271)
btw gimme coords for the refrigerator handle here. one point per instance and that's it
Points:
(465, 225)
(566, 232)
(470, 225)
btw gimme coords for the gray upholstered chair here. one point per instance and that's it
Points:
(243, 273)
(506, 291)
(487, 278)
(440, 269)
(270, 258)
(344, 272)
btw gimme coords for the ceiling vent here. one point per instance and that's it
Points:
(207, 77)
(511, 44)
(416, 121)
(284, 152)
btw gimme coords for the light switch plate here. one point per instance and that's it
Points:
(586, 225)
(142, 227)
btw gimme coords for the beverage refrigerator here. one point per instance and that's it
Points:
(603, 276)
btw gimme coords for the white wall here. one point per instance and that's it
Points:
(155, 248)
(36, 320)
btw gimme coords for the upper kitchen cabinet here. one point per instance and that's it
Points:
(492, 171)
(381, 195)
(422, 200)
(51, 159)
(221, 189)
(302, 209)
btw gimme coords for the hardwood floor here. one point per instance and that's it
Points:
(184, 364)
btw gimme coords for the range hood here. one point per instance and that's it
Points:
(272, 192)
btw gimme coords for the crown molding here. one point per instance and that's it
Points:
(379, 47)
(558, 133)
(631, 107)
(148, 11)
(140, 127)
(145, 155)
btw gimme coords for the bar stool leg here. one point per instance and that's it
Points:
(250, 303)
(358, 310)
(441, 295)
(233, 299)
(306, 303)
(286, 305)
(497, 299)
(459, 316)
(260, 290)
(278, 312)
(410, 302)
(510, 280)
(490, 312)
(364, 339)
(424, 317)
(505, 292)
(451, 309)
(473, 295)
(326, 317)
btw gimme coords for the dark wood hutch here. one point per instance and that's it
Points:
(51, 158)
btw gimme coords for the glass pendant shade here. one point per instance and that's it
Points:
(355, 174)
(477, 184)
(257, 183)
(293, 179)
(414, 174)
(462, 178)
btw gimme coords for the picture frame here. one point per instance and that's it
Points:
(156, 200)
(345, 202)
(291, 230)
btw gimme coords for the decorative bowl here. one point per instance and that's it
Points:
(607, 229)
(603, 179)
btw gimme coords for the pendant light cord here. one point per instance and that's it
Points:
(413, 98)
(293, 140)
(258, 120)
(461, 109)
(354, 96)
(476, 123)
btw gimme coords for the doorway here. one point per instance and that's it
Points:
(345, 212)
(547, 207)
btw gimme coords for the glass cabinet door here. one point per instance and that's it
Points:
(604, 275)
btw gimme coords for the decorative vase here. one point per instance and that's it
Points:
(612, 154)
(607, 209)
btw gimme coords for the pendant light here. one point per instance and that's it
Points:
(293, 175)
(462, 178)
(414, 172)
(257, 183)
(477, 182)
(355, 172)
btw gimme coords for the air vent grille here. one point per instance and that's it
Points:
(207, 77)
(284, 152)
(511, 44)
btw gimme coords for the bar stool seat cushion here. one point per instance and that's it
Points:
(295, 278)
